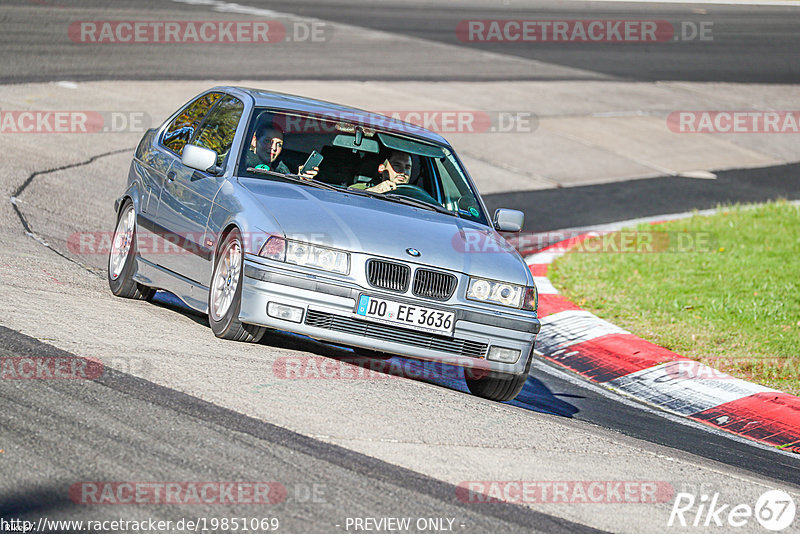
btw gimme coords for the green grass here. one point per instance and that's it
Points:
(731, 301)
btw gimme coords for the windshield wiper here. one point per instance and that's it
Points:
(294, 178)
(402, 199)
(360, 192)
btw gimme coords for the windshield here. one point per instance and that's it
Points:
(357, 159)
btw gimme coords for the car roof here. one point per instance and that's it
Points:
(321, 108)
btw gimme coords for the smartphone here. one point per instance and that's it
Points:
(313, 161)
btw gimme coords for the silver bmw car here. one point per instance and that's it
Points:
(270, 211)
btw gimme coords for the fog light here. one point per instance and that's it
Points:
(500, 354)
(282, 311)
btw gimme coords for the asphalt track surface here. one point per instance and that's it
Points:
(176, 434)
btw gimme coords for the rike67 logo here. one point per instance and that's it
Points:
(774, 510)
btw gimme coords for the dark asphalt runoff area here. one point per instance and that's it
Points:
(576, 207)
(750, 44)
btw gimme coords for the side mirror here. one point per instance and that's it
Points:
(200, 158)
(506, 220)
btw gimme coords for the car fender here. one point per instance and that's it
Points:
(134, 193)
(234, 206)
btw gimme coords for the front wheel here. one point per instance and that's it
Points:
(225, 295)
(122, 258)
(497, 387)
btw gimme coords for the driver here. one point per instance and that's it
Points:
(266, 146)
(395, 170)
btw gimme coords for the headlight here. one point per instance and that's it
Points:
(510, 295)
(305, 254)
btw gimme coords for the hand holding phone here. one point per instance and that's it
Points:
(314, 159)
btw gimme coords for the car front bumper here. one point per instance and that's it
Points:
(328, 314)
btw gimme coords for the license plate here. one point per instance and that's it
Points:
(410, 316)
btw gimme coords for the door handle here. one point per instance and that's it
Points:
(171, 175)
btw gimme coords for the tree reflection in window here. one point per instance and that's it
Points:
(181, 129)
(219, 128)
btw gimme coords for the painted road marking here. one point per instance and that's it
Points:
(566, 328)
(772, 418)
(544, 286)
(612, 356)
(546, 256)
(670, 387)
(550, 304)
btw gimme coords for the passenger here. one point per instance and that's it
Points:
(395, 170)
(266, 146)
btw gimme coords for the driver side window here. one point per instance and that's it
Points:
(181, 130)
(219, 128)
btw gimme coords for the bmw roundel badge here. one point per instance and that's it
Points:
(413, 252)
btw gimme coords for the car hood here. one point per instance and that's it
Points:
(383, 228)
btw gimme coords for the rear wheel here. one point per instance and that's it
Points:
(499, 387)
(225, 295)
(122, 258)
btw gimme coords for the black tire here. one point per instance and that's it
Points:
(226, 325)
(499, 387)
(120, 275)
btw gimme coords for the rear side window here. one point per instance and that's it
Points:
(181, 130)
(219, 128)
